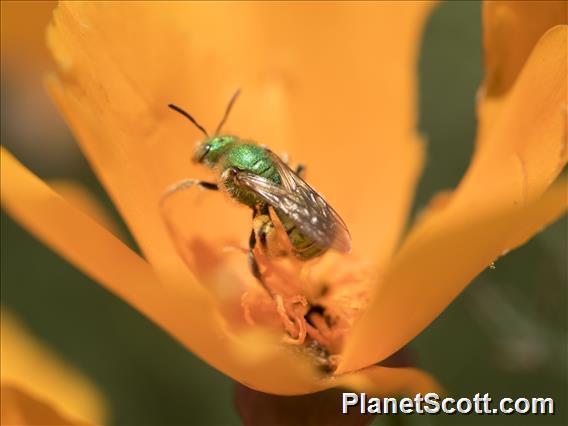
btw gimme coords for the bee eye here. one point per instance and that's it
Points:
(201, 152)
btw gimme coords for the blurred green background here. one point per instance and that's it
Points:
(505, 335)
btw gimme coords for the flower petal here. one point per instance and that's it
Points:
(117, 107)
(23, 46)
(430, 271)
(189, 315)
(386, 381)
(497, 206)
(354, 110)
(21, 408)
(138, 147)
(68, 231)
(37, 386)
(257, 408)
(510, 32)
(79, 196)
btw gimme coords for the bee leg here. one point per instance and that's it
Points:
(253, 264)
(266, 224)
(185, 184)
(258, 233)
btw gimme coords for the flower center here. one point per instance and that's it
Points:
(312, 303)
(316, 302)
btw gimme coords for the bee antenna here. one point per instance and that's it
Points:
(228, 110)
(189, 117)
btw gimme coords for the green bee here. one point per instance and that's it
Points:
(256, 177)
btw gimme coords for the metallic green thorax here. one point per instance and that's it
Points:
(225, 152)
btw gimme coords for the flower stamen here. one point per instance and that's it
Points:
(293, 321)
(245, 304)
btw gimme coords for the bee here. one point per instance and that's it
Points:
(256, 177)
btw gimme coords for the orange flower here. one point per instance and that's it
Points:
(334, 86)
(37, 388)
(29, 117)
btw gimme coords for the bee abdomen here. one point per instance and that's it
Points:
(303, 247)
(308, 252)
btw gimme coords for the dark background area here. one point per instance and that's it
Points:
(505, 335)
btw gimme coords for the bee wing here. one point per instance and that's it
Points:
(304, 206)
(331, 220)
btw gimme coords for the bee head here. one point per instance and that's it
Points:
(212, 148)
(209, 151)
